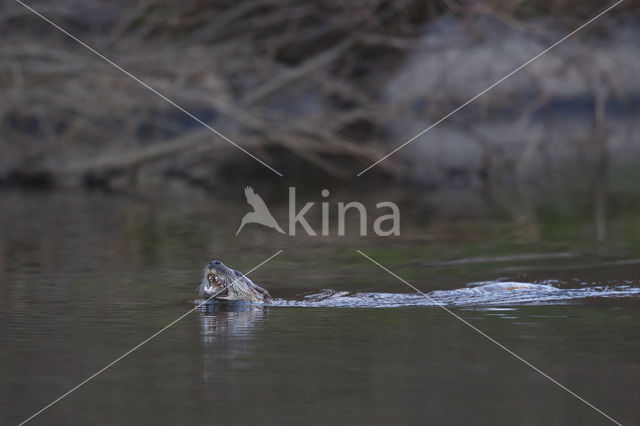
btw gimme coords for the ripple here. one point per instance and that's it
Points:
(489, 294)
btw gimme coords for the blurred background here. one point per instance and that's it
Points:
(318, 90)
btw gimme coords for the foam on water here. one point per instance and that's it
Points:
(496, 293)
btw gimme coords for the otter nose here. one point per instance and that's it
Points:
(215, 263)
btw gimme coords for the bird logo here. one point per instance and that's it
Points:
(260, 214)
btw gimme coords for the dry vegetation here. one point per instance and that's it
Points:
(295, 83)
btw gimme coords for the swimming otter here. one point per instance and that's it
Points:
(227, 284)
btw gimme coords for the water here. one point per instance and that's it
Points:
(85, 277)
(488, 294)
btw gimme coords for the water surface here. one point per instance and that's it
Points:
(85, 277)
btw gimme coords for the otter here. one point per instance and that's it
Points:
(223, 283)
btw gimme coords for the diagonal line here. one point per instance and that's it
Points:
(91, 377)
(493, 85)
(149, 88)
(493, 340)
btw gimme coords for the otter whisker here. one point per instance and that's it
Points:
(203, 285)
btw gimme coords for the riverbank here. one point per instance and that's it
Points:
(320, 101)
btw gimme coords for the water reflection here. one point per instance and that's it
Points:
(226, 335)
(229, 319)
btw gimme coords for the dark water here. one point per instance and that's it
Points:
(85, 277)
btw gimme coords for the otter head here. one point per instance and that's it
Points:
(216, 280)
(221, 282)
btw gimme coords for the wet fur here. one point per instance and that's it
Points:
(230, 285)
